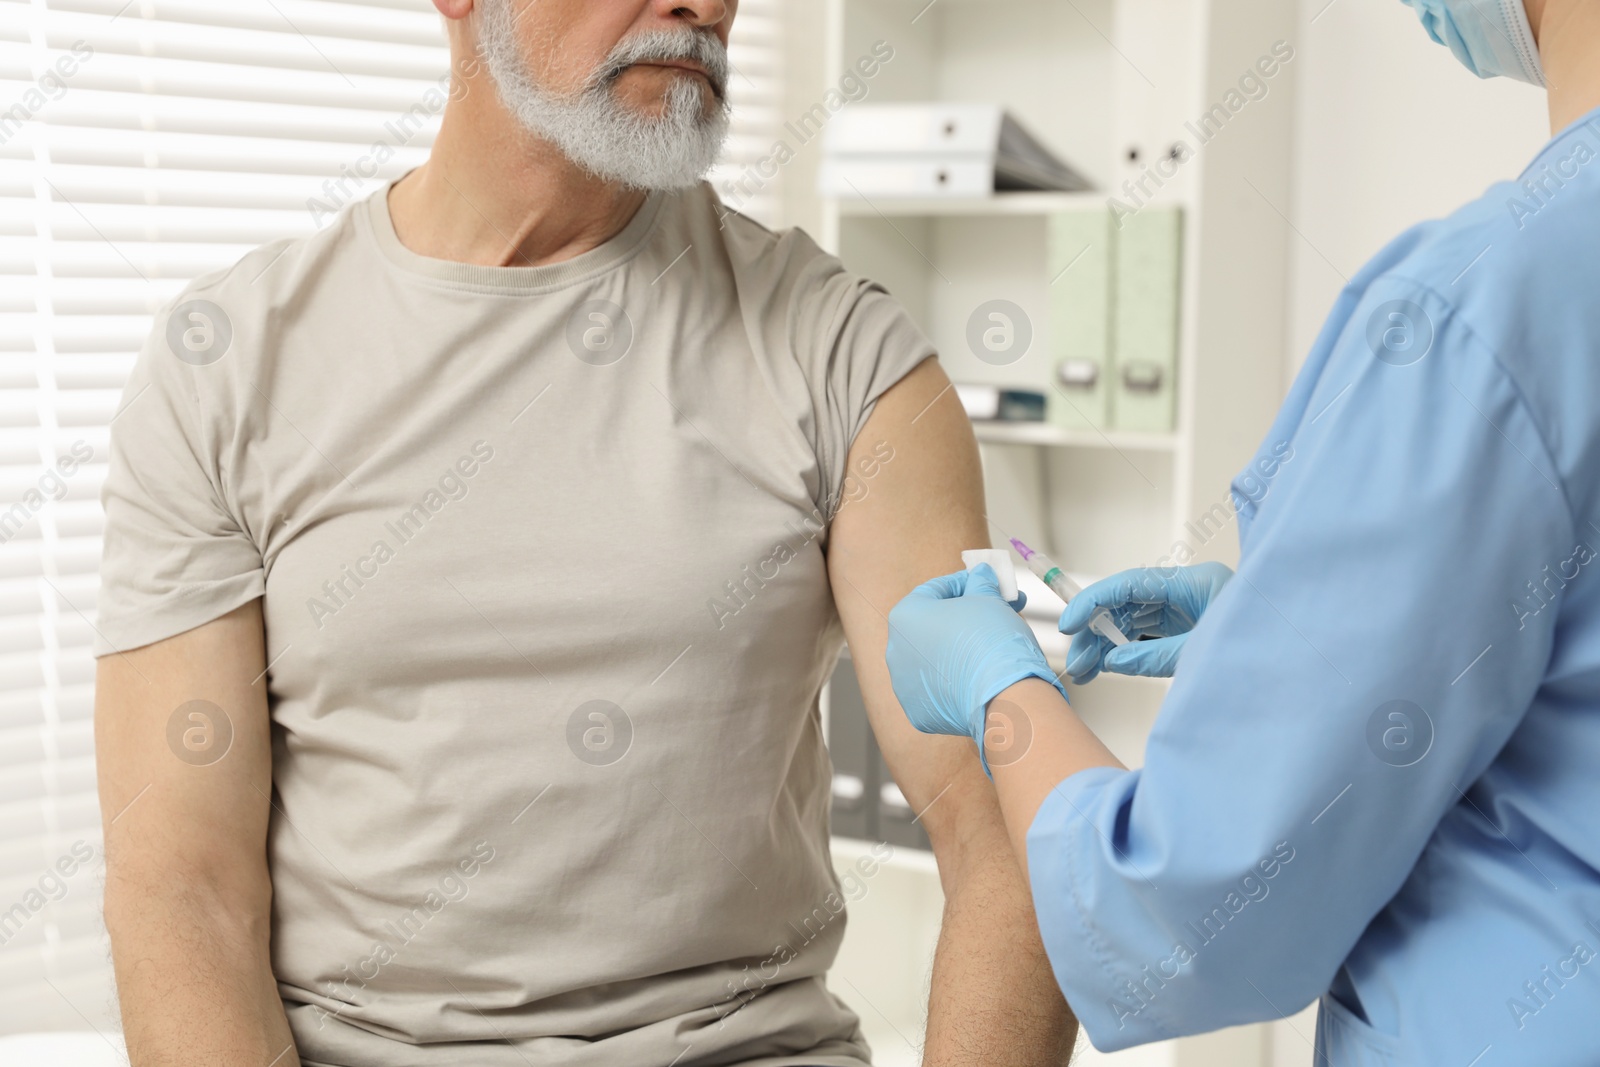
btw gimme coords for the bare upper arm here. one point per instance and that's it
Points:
(185, 794)
(905, 520)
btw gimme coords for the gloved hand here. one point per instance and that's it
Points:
(1163, 602)
(953, 646)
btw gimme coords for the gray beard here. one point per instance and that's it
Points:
(594, 129)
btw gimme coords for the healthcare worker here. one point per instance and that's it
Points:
(1376, 776)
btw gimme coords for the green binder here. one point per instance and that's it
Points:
(1079, 261)
(1144, 359)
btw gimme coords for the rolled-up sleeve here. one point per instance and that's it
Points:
(174, 555)
(1379, 643)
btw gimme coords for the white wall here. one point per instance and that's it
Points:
(1390, 130)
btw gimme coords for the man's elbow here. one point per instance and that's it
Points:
(229, 904)
(966, 829)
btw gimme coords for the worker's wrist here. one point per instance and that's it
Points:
(1008, 720)
(1002, 687)
(1021, 689)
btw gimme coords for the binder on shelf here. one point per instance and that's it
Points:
(991, 403)
(851, 751)
(888, 177)
(1079, 260)
(1145, 333)
(866, 804)
(936, 149)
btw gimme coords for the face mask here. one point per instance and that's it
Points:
(1490, 37)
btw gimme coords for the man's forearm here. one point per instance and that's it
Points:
(188, 897)
(194, 986)
(994, 998)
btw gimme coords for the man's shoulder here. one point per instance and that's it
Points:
(273, 274)
(759, 256)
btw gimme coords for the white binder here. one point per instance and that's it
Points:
(928, 129)
(936, 149)
(906, 176)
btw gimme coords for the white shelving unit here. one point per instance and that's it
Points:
(953, 207)
(1112, 86)
(1032, 433)
(1097, 80)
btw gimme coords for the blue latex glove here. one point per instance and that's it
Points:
(1159, 602)
(953, 646)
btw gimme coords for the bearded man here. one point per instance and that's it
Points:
(472, 570)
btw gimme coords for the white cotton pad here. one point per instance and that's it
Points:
(1000, 560)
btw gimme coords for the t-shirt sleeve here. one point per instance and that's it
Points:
(856, 341)
(173, 555)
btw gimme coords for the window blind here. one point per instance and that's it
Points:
(142, 143)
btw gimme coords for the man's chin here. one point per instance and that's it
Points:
(653, 101)
(631, 175)
(657, 141)
(657, 115)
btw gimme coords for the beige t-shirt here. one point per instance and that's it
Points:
(547, 615)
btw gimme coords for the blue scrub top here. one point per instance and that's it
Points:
(1376, 778)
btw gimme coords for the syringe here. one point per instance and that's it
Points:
(1065, 588)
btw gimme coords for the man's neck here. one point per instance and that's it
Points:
(1569, 47)
(493, 194)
